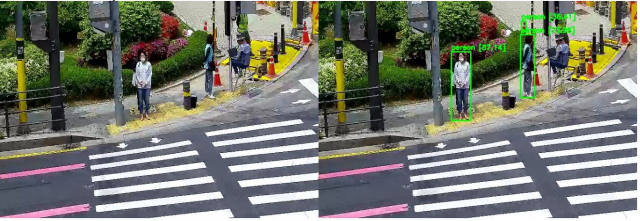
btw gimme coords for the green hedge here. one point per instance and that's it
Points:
(8, 48)
(483, 6)
(415, 83)
(164, 6)
(97, 83)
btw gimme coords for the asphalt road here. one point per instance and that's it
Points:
(260, 167)
(556, 173)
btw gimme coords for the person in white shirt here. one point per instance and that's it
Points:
(461, 75)
(142, 81)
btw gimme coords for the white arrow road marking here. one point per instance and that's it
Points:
(315, 125)
(474, 140)
(620, 102)
(290, 91)
(441, 145)
(631, 86)
(301, 102)
(608, 91)
(122, 145)
(634, 125)
(311, 85)
(155, 140)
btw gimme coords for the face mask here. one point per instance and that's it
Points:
(143, 59)
(461, 59)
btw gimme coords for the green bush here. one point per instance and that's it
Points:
(355, 67)
(326, 48)
(388, 14)
(165, 6)
(8, 75)
(412, 45)
(459, 22)
(483, 6)
(97, 83)
(70, 13)
(140, 21)
(8, 48)
(415, 83)
(37, 62)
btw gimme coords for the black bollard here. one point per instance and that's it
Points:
(601, 40)
(594, 53)
(186, 93)
(275, 47)
(506, 103)
(283, 44)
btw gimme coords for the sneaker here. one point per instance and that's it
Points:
(210, 96)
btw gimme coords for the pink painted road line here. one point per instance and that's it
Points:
(52, 212)
(361, 171)
(372, 212)
(42, 171)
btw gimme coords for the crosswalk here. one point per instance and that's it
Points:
(594, 163)
(155, 177)
(276, 165)
(473, 181)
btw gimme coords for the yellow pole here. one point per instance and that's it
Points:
(342, 117)
(22, 81)
(613, 15)
(315, 12)
(295, 15)
(634, 18)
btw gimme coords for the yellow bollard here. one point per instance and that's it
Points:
(613, 15)
(22, 81)
(634, 17)
(295, 15)
(315, 11)
(342, 116)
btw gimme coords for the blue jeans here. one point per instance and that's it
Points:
(462, 100)
(208, 82)
(235, 64)
(555, 64)
(143, 100)
(527, 82)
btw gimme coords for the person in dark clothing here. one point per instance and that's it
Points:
(527, 64)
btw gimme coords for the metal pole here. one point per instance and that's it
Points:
(117, 64)
(438, 117)
(300, 16)
(275, 47)
(550, 88)
(230, 47)
(372, 60)
(612, 11)
(54, 65)
(532, 21)
(294, 18)
(23, 128)
(337, 25)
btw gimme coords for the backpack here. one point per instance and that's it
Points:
(210, 64)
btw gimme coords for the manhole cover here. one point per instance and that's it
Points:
(262, 12)
(581, 12)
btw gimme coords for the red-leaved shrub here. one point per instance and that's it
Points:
(170, 27)
(488, 26)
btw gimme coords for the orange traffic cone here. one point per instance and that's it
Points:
(590, 73)
(305, 35)
(205, 26)
(216, 79)
(538, 84)
(624, 39)
(272, 69)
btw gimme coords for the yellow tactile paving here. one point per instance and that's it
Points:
(603, 60)
(41, 153)
(360, 153)
(170, 111)
(489, 111)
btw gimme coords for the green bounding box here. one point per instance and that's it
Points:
(451, 109)
(521, 72)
